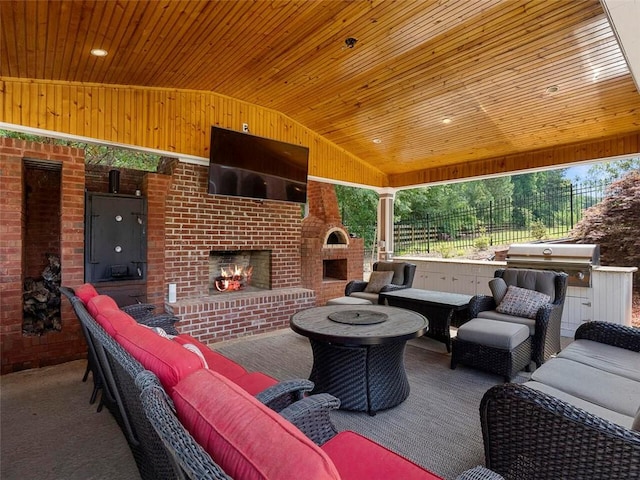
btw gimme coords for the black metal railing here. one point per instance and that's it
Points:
(545, 215)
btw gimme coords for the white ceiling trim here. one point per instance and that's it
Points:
(624, 17)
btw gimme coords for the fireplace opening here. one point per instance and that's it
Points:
(334, 270)
(41, 248)
(239, 270)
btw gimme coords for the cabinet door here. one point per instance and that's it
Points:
(577, 310)
(115, 242)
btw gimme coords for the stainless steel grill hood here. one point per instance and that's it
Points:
(574, 259)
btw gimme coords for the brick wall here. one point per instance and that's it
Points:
(18, 351)
(42, 219)
(197, 223)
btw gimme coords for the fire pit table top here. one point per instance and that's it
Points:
(397, 324)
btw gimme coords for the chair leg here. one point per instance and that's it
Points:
(86, 372)
(94, 394)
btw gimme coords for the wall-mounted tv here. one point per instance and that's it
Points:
(244, 165)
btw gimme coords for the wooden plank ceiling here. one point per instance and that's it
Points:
(482, 65)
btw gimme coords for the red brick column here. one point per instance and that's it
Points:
(155, 188)
(19, 351)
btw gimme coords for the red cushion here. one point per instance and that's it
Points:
(101, 302)
(215, 361)
(86, 292)
(168, 360)
(113, 320)
(357, 457)
(255, 382)
(248, 440)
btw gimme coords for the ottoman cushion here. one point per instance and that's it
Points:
(493, 333)
(348, 301)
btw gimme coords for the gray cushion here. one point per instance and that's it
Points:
(615, 417)
(539, 280)
(396, 267)
(522, 302)
(606, 389)
(372, 297)
(501, 317)
(619, 361)
(492, 333)
(636, 421)
(378, 280)
(349, 301)
(498, 289)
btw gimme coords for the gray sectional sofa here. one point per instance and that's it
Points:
(579, 415)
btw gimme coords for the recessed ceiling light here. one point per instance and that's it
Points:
(377, 140)
(552, 89)
(446, 120)
(99, 52)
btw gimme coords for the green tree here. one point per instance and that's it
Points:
(96, 154)
(359, 210)
(609, 172)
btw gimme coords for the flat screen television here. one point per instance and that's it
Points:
(244, 165)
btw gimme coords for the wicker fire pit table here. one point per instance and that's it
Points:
(358, 352)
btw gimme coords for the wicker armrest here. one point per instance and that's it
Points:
(311, 416)
(165, 321)
(611, 334)
(139, 311)
(392, 287)
(480, 303)
(355, 286)
(530, 435)
(284, 393)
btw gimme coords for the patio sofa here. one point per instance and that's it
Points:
(578, 417)
(245, 425)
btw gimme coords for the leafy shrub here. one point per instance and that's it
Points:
(538, 229)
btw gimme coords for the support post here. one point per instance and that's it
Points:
(385, 224)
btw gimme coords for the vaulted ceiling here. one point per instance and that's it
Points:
(425, 84)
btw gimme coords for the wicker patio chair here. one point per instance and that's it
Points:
(119, 371)
(93, 365)
(546, 338)
(402, 278)
(195, 462)
(531, 435)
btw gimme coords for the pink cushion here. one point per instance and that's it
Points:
(168, 360)
(248, 440)
(215, 360)
(86, 292)
(101, 302)
(357, 457)
(113, 320)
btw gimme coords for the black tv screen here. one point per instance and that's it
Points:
(244, 165)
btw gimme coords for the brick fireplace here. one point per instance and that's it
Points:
(198, 225)
(309, 260)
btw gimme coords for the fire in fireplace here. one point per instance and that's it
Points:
(233, 278)
(233, 270)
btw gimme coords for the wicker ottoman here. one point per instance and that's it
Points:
(348, 301)
(498, 347)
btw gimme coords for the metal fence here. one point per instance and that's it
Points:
(545, 215)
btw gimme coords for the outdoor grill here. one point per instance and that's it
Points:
(576, 260)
